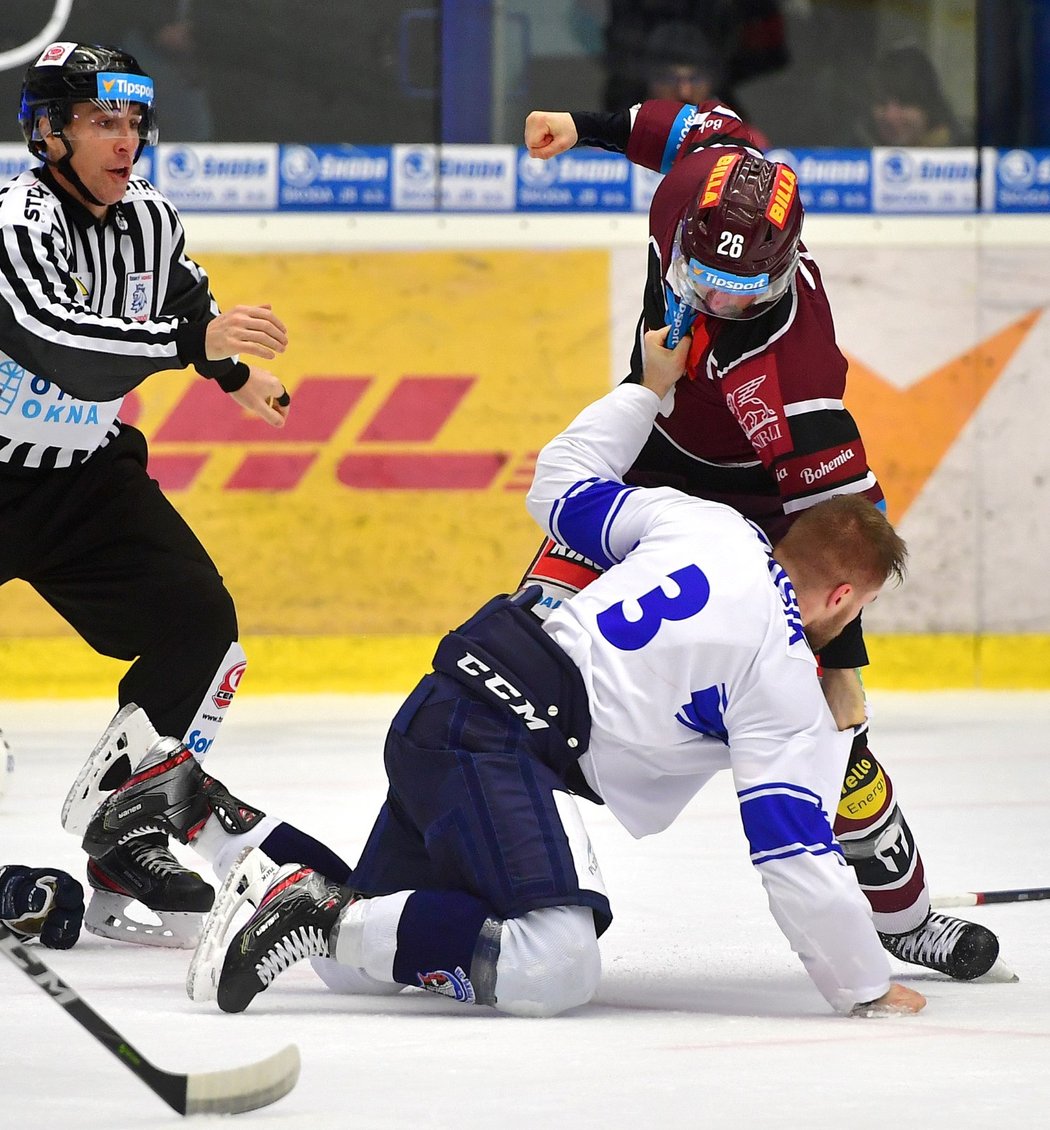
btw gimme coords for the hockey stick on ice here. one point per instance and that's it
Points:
(212, 1092)
(980, 898)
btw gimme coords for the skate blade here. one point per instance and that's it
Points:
(246, 883)
(999, 974)
(129, 735)
(108, 916)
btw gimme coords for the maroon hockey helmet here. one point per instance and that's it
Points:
(737, 249)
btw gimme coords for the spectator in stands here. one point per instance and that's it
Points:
(682, 64)
(907, 105)
(746, 35)
(162, 35)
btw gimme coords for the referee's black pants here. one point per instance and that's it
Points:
(105, 548)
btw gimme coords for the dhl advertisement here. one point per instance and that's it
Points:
(424, 382)
(392, 503)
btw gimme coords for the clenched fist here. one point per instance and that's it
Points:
(549, 132)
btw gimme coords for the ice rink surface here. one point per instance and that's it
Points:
(704, 1017)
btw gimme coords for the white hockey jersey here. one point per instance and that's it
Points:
(694, 659)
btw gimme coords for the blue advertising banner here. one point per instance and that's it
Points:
(327, 177)
(1022, 181)
(453, 178)
(830, 180)
(585, 180)
(15, 159)
(504, 178)
(218, 178)
(928, 181)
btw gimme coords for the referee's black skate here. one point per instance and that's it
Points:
(128, 737)
(144, 871)
(166, 794)
(963, 950)
(293, 920)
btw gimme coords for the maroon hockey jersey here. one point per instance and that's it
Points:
(759, 423)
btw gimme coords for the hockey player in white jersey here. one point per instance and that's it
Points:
(691, 654)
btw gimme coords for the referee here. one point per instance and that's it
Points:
(97, 293)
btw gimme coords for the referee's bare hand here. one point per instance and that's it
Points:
(260, 395)
(245, 329)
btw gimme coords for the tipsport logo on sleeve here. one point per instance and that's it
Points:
(325, 177)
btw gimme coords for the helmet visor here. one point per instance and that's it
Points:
(131, 96)
(115, 104)
(111, 120)
(721, 293)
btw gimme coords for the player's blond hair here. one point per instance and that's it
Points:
(845, 539)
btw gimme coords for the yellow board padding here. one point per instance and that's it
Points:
(527, 335)
(958, 661)
(67, 668)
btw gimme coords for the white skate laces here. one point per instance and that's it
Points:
(962, 949)
(241, 892)
(297, 944)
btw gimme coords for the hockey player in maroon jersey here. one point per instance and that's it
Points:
(760, 425)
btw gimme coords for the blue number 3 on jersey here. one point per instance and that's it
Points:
(630, 635)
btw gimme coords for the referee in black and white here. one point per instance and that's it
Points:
(97, 293)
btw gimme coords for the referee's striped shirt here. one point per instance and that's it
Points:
(88, 310)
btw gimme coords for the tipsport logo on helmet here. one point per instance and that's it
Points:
(725, 282)
(116, 87)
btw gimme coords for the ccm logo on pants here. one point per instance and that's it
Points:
(504, 690)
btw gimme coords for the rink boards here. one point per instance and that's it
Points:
(424, 382)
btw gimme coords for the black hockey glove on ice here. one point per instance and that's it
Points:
(41, 903)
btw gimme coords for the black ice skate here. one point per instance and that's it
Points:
(252, 874)
(166, 794)
(143, 870)
(961, 949)
(127, 739)
(294, 919)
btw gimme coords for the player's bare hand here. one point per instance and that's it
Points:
(549, 132)
(896, 1001)
(661, 367)
(844, 693)
(245, 329)
(262, 395)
